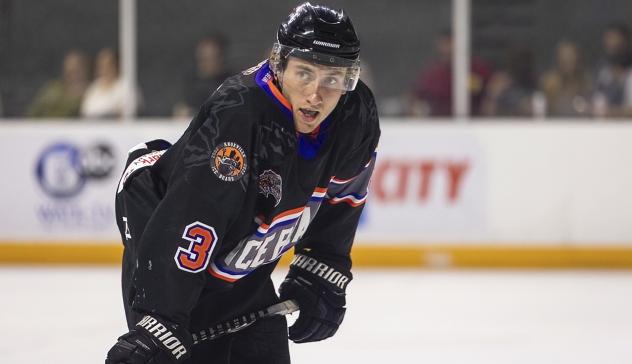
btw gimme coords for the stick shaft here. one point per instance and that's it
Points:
(241, 322)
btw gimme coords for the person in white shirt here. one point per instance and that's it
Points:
(108, 95)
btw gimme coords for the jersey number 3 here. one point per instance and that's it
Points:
(202, 240)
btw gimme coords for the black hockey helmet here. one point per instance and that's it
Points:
(320, 29)
(321, 35)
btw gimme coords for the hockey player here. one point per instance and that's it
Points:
(278, 157)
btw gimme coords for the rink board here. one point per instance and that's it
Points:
(363, 255)
(443, 194)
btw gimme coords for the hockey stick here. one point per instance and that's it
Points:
(241, 322)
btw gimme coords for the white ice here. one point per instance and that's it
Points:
(73, 315)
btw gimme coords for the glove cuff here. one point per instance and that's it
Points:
(171, 338)
(333, 277)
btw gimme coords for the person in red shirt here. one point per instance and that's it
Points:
(432, 92)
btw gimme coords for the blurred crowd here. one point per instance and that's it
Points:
(91, 87)
(569, 88)
(73, 94)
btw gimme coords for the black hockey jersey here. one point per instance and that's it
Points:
(240, 188)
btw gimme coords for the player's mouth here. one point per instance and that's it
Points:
(308, 114)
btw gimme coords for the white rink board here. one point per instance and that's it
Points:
(435, 182)
(519, 183)
(46, 199)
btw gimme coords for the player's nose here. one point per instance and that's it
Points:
(313, 94)
(315, 99)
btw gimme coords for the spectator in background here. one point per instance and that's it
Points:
(432, 93)
(510, 91)
(567, 87)
(108, 95)
(613, 93)
(210, 72)
(61, 98)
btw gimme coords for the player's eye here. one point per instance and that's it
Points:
(331, 81)
(304, 76)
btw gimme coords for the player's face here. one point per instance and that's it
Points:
(311, 90)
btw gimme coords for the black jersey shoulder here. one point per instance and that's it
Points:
(231, 113)
(238, 94)
(236, 107)
(359, 115)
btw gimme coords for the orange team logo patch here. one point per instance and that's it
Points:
(228, 162)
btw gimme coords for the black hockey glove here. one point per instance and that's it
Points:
(151, 341)
(319, 289)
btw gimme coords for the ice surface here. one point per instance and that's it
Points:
(73, 315)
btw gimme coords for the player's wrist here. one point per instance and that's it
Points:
(172, 338)
(327, 274)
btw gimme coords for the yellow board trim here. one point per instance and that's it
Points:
(391, 255)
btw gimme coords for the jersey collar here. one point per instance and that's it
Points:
(265, 80)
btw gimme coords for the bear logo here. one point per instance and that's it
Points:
(228, 162)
